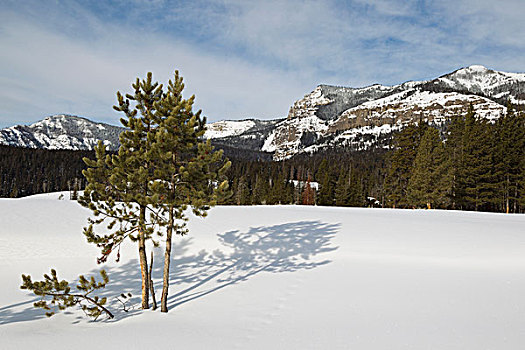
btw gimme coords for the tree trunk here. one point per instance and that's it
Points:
(167, 257)
(507, 204)
(143, 260)
(151, 287)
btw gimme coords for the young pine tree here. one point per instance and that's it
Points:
(161, 167)
(189, 172)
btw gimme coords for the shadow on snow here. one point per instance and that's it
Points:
(279, 248)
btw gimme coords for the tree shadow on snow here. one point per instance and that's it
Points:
(280, 248)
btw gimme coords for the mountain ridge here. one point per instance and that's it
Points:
(328, 117)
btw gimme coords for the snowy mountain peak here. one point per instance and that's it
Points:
(227, 128)
(479, 79)
(62, 131)
(477, 68)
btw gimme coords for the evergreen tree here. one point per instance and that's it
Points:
(356, 195)
(188, 172)
(509, 152)
(454, 155)
(260, 191)
(242, 196)
(402, 158)
(289, 192)
(162, 166)
(521, 181)
(277, 190)
(476, 177)
(426, 185)
(326, 184)
(342, 189)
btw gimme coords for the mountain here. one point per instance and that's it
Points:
(327, 117)
(360, 118)
(62, 132)
(249, 134)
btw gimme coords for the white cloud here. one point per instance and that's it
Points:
(241, 58)
(57, 73)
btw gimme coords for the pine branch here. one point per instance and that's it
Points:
(61, 295)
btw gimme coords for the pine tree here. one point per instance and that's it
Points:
(189, 172)
(326, 184)
(402, 158)
(509, 152)
(426, 187)
(126, 177)
(162, 166)
(242, 196)
(356, 195)
(289, 190)
(454, 155)
(476, 177)
(260, 190)
(277, 190)
(342, 189)
(521, 181)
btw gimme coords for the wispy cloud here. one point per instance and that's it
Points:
(241, 58)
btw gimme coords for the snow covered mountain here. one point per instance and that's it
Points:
(62, 132)
(250, 134)
(327, 117)
(360, 118)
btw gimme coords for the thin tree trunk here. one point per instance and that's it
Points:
(507, 195)
(167, 257)
(143, 260)
(151, 287)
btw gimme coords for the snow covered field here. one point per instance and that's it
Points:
(281, 277)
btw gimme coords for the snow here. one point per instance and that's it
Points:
(436, 105)
(480, 78)
(227, 128)
(283, 277)
(269, 144)
(313, 184)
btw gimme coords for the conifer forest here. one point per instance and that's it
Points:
(468, 163)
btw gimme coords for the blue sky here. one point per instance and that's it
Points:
(240, 58)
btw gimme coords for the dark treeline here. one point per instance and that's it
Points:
(26, 171)
(332, 177)
(468, 164)
(480, 166)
